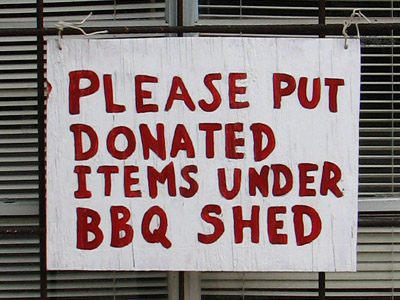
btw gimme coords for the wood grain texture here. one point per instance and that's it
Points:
(305, 139)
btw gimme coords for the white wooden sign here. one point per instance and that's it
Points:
(219, 154)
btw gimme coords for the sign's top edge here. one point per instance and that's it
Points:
(352, 41)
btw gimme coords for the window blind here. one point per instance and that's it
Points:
(106, 13)
(257, 12)
(19, 251)
(378, 260)
(19, 197)
(107, 285)
(379, 126)
(378, 265)
(378, 251)
(263, 285)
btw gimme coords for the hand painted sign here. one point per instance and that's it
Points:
(231, 154)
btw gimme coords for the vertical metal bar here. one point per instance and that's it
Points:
(181, 285)
(321, 16)
(321, 285)
(181, 276)
(321, 21)
(41, 146)
(171, 13)
(180, 15)
(392, 108)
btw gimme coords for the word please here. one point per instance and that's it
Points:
(122, 232)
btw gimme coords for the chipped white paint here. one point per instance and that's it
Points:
(302, 135)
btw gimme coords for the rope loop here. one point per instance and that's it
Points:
(60, 25)
(346, 24)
